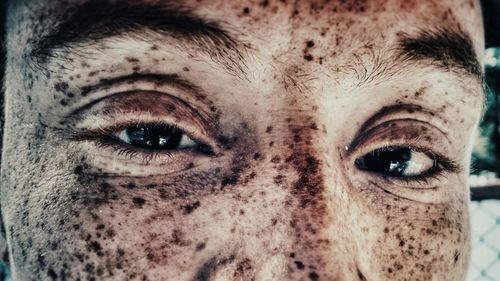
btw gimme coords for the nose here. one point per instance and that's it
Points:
(322, 247)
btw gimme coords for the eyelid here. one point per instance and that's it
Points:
(419, 136)
(169, 84)
(404, 112)
(144, 108)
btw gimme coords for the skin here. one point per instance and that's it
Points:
(280, 198)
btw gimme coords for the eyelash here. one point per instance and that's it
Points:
(443, 165)
(104, 138)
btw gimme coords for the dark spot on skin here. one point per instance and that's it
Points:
(189, 208)
(78, 170)
(61, 87)
(138, 202)
(313, 276)
(95, 247)
(276, 159)
(246, 10)
(308, 57)
(398, 266)
(185, 68)
(278, 179)
(52, 274)
(299, 264)
(310, 44)
(264, 3)
(269, 129)
(200, 246)
(131, 59)
(243, 266)
(309, 183)
(154, 47)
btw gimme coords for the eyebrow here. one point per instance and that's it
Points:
(96, 20)
(449, 49)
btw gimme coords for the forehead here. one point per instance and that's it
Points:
(299, 35)
(368, 19)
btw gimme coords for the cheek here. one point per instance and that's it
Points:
(104, 229)
(409, 238)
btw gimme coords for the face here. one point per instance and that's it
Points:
(222, 140)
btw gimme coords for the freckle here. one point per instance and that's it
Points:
(313, 276)
(200, 246)
(278, 179)
(310, 44)
(386, 230)
(185, 68)
(299, 264)
(426, 252)
(189, 208)
(269, 129)
(61, 86)
(308, 57)
(276, 159)
(131, 59)
(138, 202)
(271, 144)
(256, 156)
(136, 68)
(246, 10)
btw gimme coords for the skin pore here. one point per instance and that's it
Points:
(280, 105)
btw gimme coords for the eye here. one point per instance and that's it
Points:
(397, 161)
(155, 137)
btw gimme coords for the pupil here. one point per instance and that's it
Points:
(154, 136)
(391, 161)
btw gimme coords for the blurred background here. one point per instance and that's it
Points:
(485, 169)
(485, 181)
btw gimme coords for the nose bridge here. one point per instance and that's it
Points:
(317, 222)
